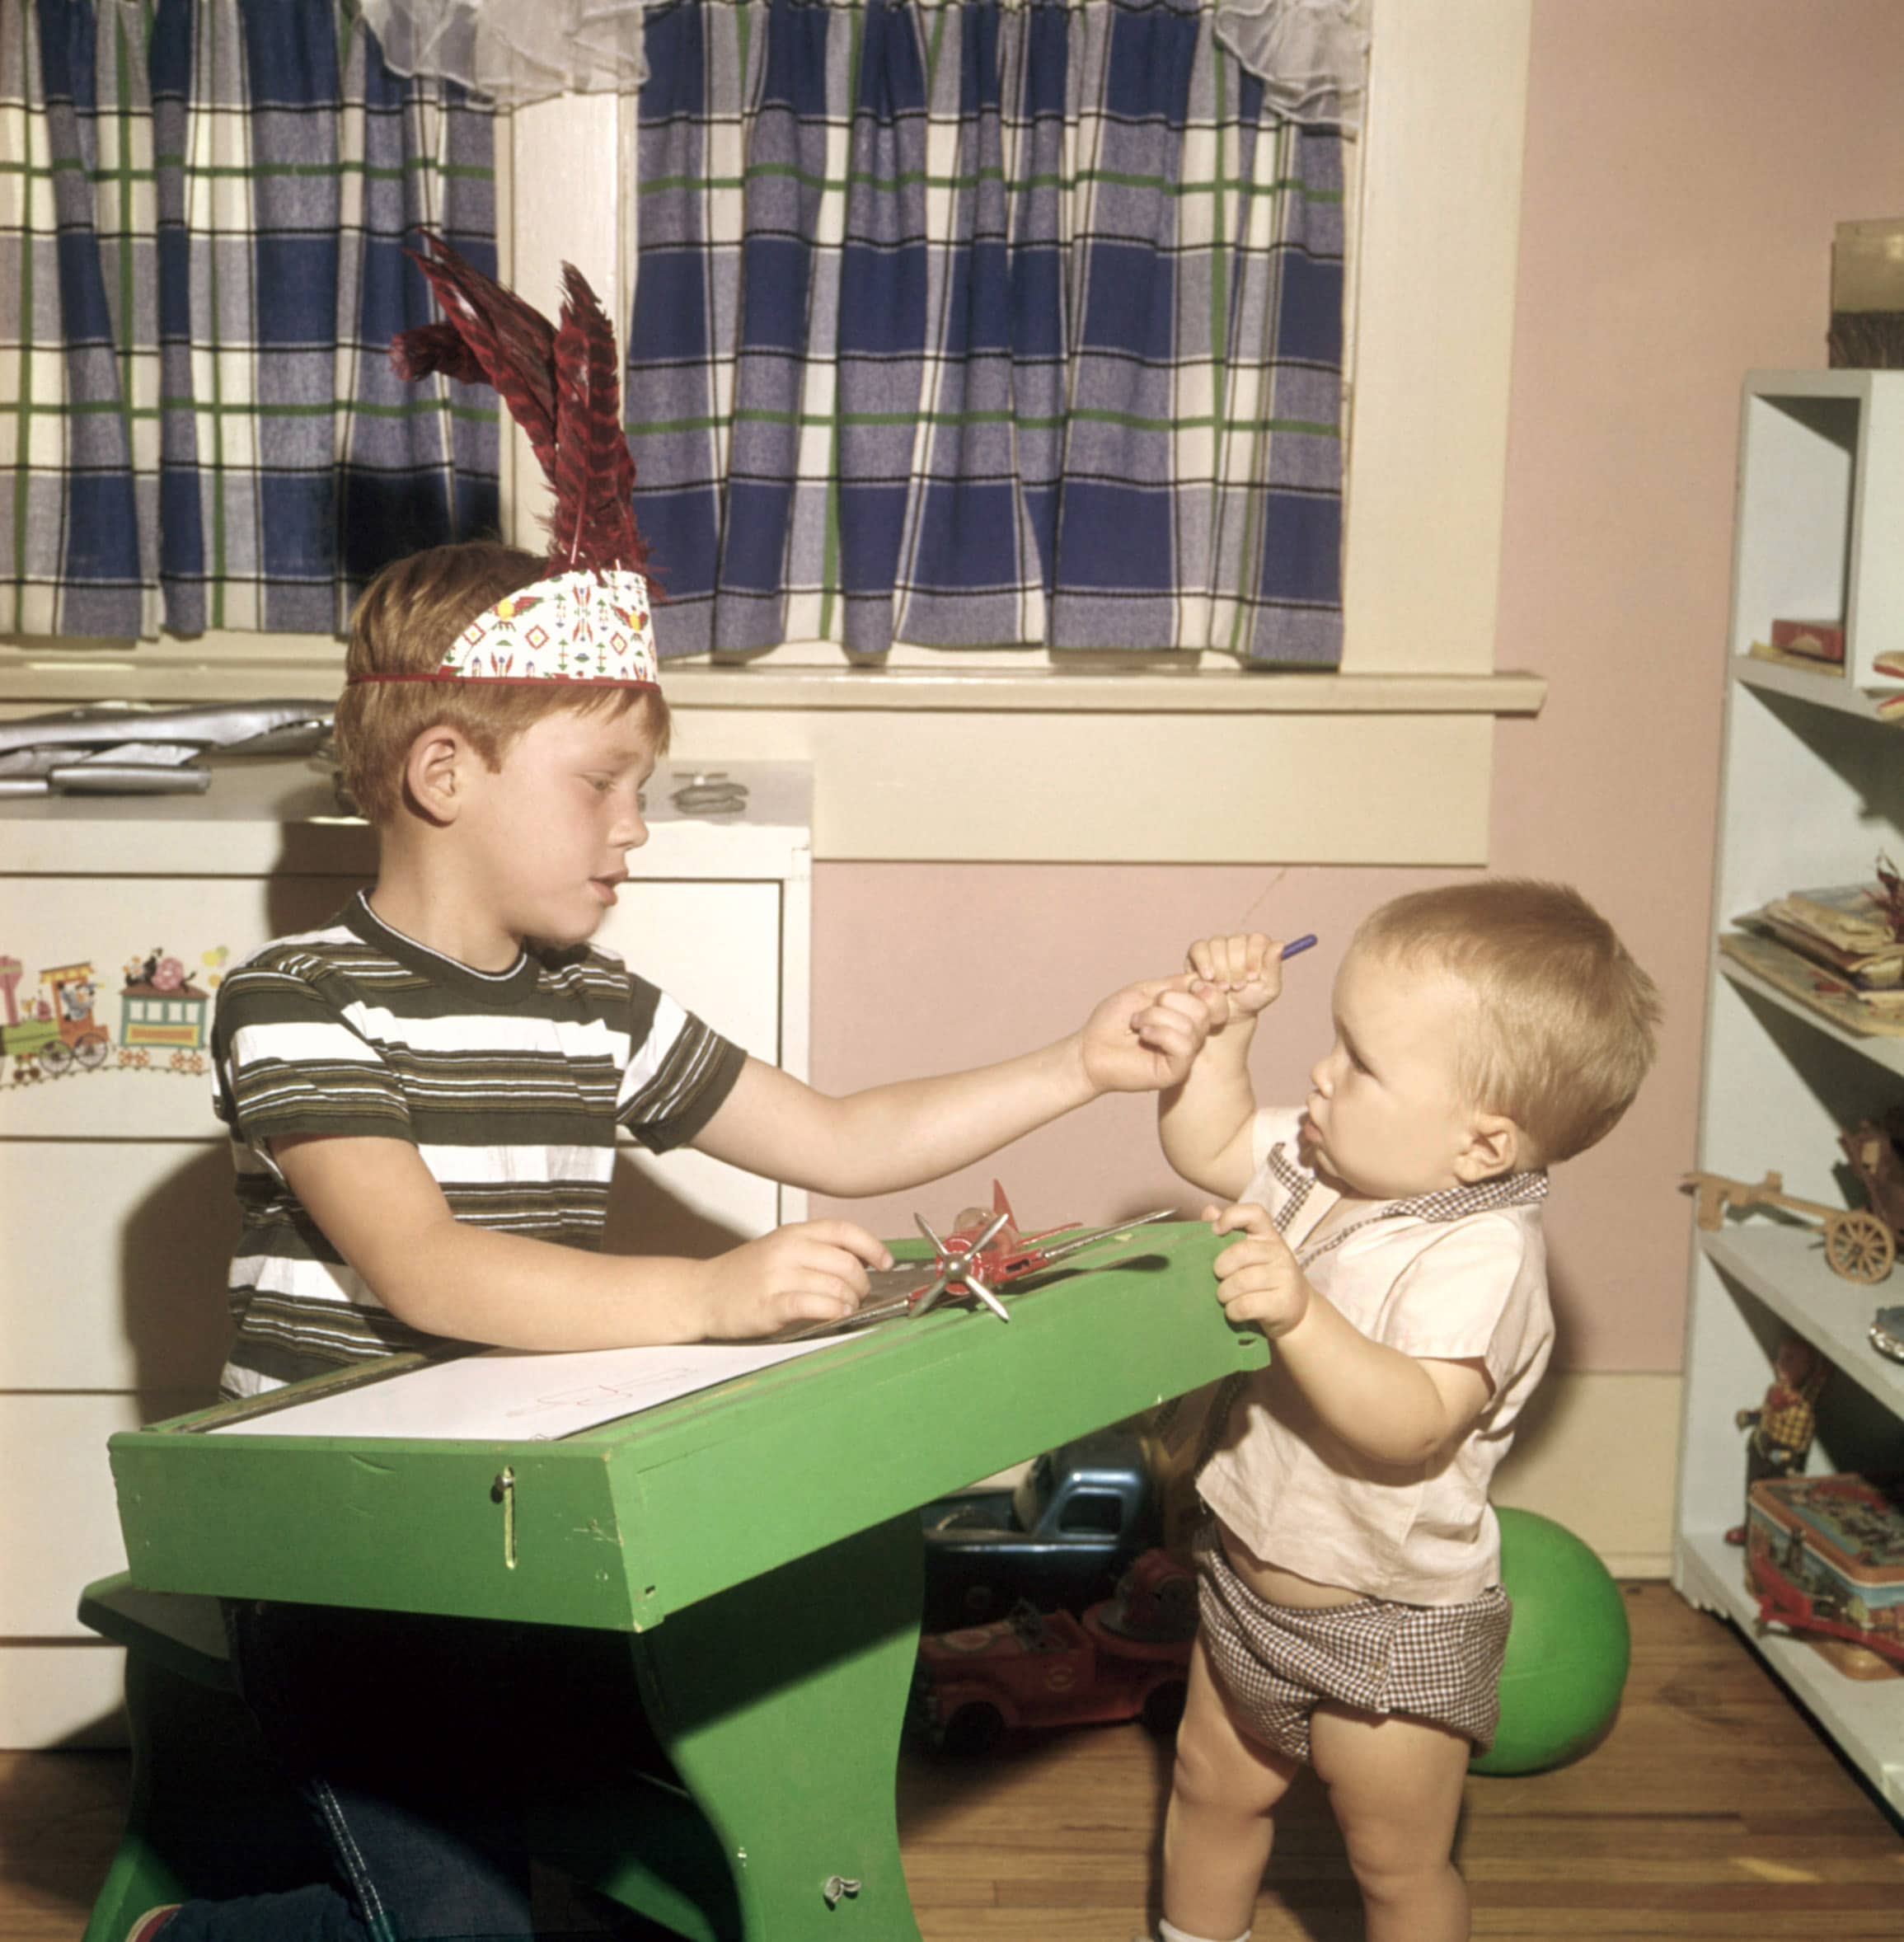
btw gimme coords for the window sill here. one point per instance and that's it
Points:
(987, 762)
(1096, 691)
(36, 673)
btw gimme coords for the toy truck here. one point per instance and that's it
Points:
(1061, 1539)
(1127, 1658)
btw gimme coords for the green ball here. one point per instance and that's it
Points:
(1569, 1647)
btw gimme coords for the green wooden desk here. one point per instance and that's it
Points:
(758, 1543)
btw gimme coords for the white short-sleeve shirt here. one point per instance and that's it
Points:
(1454, 1277)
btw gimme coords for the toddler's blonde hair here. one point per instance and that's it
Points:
(1564, 1020)
(404, 625)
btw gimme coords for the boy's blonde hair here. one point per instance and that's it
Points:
(403, 624)
(1564, 1018)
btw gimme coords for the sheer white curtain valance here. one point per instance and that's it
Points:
(515, 51)
(1311, 56)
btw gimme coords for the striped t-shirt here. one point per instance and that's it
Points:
(509, 1084)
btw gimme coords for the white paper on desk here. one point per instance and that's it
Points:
(509, 1395)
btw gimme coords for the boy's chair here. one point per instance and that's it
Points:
(209, 1813)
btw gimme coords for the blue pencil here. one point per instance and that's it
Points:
(1298, 944)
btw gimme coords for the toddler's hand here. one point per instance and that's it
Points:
(1258, 1279)
(1246, 972)
(811, 1271)
(1145, 1037)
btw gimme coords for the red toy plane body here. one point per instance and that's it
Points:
(1003, 1255)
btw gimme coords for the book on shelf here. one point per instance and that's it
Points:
(1889, 702)
(1811, 640)
(1817, 645)
(1811, 984)
(1847, 929)
(1764, 650)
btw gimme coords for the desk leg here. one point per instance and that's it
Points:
(780, 1704)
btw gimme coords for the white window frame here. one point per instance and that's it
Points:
(1003, 754)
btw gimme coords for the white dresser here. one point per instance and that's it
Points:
(117, 918)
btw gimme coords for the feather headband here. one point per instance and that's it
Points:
(590, 620)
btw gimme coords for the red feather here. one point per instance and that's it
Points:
(435, 347)
(562, 387)
(511, 342)
(593, 524)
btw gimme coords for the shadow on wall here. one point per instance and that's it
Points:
(175, 1254)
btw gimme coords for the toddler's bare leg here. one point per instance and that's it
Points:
(1217, 1833)
(1395, 1786)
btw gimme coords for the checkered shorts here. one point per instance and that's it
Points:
(1276, 1663)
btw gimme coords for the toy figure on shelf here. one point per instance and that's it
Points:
(1784, 1424)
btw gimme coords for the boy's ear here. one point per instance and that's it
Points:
(1495, 1146)
(437, 771)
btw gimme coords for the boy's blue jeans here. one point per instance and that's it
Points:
(418, 1743)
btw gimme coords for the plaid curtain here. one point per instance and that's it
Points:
(968, 322)
(202, 209)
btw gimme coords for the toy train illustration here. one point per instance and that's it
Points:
(58, 1030)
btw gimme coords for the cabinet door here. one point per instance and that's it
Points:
(116, 1209)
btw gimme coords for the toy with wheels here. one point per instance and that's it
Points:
(1857, 1244)
(1127, 1658)
(1569, 1647)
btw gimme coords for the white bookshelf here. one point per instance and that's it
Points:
(1812, 790)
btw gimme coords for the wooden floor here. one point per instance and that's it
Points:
(1713, 1809)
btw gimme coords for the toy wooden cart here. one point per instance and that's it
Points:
(1857, 1244)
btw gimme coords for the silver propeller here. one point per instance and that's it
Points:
(950, 1270)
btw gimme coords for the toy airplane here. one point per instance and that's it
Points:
(971, 1262)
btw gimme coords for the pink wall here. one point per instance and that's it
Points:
(1686, 161)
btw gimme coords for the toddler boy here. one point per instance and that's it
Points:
(1389, 1243)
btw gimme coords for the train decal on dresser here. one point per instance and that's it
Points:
(53, 1028)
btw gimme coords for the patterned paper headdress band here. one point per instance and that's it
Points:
(589, 619)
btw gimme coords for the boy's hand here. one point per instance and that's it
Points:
(1144, 1038)
(811, 1271)
(1257, 1279)
(1241, 975)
